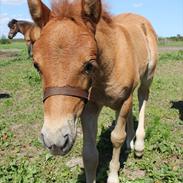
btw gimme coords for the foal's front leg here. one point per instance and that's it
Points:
(118, 136)
(90, 154)
(29, 48)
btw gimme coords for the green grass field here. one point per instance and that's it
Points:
(171, 43)
(24, 160)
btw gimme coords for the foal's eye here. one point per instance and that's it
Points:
(88, 68)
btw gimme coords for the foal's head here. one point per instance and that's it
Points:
(65, 55)
(13, 28)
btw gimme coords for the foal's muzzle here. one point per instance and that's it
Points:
(10, 36)
(58, 149)
(59, 141)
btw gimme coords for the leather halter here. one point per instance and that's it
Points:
(65, 90)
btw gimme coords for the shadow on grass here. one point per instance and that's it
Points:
(179, 106)
(105, 148)
(4, 95)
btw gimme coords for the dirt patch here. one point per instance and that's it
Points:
(23, 142)
(75, 161)
(134, 174)
(9, 54)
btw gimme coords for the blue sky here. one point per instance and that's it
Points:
(165, 15)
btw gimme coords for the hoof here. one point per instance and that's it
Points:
(113, 179)
(139, 154)
(139, 148)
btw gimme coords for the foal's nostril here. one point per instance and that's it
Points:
(66, 138)
(52, 147)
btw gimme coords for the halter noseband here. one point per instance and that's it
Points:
(65, 90)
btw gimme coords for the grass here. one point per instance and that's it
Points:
(14, 44)
(23, 159)
(175, 56)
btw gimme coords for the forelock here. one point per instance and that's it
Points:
(12, 22)
(66, 8)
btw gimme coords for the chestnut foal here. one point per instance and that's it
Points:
(84, 53)
(30, 31)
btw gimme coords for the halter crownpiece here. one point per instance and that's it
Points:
(66, 91)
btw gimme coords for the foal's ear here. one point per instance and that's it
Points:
(39, 11)
(91, 10)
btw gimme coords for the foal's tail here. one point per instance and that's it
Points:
(152, 43)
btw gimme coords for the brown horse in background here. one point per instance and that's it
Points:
(88, 59)
(30, 31)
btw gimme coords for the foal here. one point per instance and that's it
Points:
(30, 31)
(83, 51)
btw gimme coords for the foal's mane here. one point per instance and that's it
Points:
(72, 9)
(13, 21)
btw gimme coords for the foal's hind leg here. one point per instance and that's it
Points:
(143, 94)
(118, 136)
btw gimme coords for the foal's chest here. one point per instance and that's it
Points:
(112, 96)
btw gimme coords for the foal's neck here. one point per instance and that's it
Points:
(105, 36)
(24, 26)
